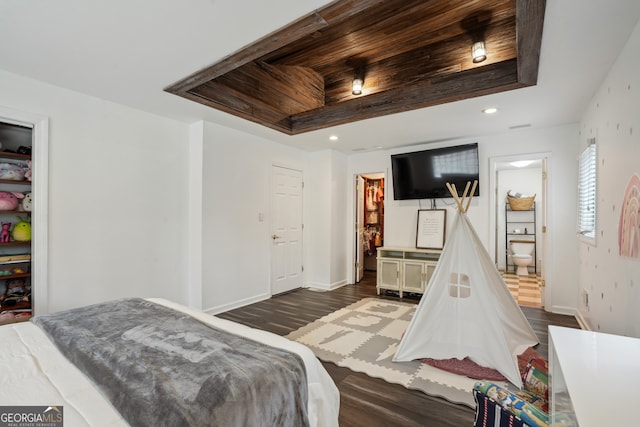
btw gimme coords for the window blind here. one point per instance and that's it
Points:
(587, 191)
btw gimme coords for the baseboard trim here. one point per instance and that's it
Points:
(326, 286)
(567, 311)
(236, 304)
(258, 298)
(583, 322)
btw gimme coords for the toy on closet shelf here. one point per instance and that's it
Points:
(5, 232)
(11, 172)
(27, 171)
(27, 202)
(9, 200)
(22, 231)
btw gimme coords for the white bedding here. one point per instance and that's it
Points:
(34, 372)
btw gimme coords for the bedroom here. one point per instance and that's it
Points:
(126, 215)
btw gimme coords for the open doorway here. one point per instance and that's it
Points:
(519, 242)
(369, 221)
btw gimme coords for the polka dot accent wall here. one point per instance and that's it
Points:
(609, 269)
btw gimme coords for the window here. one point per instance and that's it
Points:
(459, 285)
(587, 192)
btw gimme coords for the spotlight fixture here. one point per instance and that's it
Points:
(358, 80)
(490, 110)
(356, 87)
(479, 52)
(333, 137)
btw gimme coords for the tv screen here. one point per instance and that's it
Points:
(424, 174)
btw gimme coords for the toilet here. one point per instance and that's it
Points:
(522, 255)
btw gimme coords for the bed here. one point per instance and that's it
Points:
(34, 370)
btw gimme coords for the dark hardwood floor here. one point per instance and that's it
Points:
(366, 401)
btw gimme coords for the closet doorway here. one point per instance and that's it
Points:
(39, 126)
(369, 221)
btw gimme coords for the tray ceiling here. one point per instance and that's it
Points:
(412, 54)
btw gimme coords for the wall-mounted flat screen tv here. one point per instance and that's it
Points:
(424, 174)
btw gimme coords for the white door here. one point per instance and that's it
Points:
(286, 226)
(359, 228)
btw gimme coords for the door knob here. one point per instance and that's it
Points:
(275, 236)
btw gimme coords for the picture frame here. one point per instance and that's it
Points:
(431, 228)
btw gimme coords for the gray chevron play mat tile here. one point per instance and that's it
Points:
(364, 336)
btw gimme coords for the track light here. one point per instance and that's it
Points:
(479, 52)
(356, 87)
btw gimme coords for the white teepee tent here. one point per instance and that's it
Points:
(467, 310)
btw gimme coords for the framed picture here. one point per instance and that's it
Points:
(431, 228)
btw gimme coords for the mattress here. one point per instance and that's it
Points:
(33, 372)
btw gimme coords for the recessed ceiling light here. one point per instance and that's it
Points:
(521, 163)
(490, 110)
(333, 137)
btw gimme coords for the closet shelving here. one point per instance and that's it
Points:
(15, 256)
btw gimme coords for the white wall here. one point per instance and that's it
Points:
(117, 196)
(317, 205)
(325, 226)
(613, 118)
(561, 142)
(340, 223)
(236, 245)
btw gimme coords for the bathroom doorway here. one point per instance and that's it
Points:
(369, 222)
(524, 176)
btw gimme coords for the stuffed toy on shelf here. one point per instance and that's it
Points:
(9, 200)
(5, 233)
(22, 231)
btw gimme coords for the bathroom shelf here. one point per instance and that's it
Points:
(515, 222)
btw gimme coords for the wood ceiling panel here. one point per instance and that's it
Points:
(392, 30)
(291, 89)
(439, 59)
(414, 53)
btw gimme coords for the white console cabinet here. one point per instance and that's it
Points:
(405, 269)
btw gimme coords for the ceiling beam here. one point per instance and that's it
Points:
(466, 84)
(529, 22)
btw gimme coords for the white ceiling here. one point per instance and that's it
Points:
(129, 51)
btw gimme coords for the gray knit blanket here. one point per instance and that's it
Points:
(161, 367)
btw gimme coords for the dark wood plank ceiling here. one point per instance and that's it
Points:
(412, 53)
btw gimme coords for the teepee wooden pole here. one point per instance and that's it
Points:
(466, 195)
(454, 194)
(473, 190)
(466, 191)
